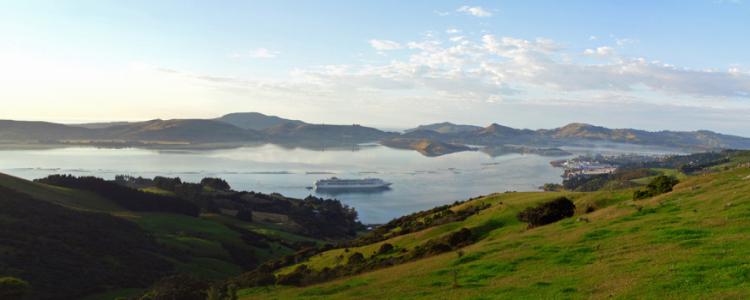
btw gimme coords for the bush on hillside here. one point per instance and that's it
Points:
(548, 212)
(356, 258)
(552, 187)
(13, 288)
(295, 277)
(385, 248)
(660, 185)
(183, 287)
(419, 221)
(167, 183)
(245, 215)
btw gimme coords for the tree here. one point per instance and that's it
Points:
(216, 184)
(166, 183)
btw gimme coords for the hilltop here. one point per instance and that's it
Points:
(255, 121)
(580, 134)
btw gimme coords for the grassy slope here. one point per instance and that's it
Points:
(63, 196)
(200, 238)
(690, 243)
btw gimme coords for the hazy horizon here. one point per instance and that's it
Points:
(381, 127)
(651, 66)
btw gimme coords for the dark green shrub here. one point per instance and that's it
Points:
(385, 248)
(548, 212)
(356, 258)
(178, 287)
(217, 184)
(552, 187)
(13, 288)
(296, 277)
(660, 185)
(245, 215)
(460, 238)
(167, 183)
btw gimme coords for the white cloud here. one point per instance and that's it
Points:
(442, 13)
(494, 68)
(474, 11)
(258, 53)
(452, 31)
(384, 45)
(600, 51)
(624, 41)
(457, 39)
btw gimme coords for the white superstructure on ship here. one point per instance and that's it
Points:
(338, 183)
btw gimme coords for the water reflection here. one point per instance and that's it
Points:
(419, 182)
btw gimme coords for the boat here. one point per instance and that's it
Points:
(335, 183)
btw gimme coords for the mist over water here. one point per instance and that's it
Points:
(419, 182)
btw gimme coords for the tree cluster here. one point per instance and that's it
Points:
(547, 212)
(128, 198)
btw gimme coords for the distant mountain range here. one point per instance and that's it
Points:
(233, 129)
(433, 139)
(575, 134)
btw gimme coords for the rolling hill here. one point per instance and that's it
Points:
(74, 242)
(425, 146)
(255, 121)
(687, 243)
(28, 131)
(326, 134)
(180, 130)
(579, 134)
(445, 127)
(68, 253)
(237, 129)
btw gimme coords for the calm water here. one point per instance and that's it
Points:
(418, 182)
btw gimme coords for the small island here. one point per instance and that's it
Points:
(425, 146)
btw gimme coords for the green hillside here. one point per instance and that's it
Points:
(70, 198)
(688, 243)
(65, 253)
(51, 233)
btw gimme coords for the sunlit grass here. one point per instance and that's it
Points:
(690, 243)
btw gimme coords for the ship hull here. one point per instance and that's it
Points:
(352, 186)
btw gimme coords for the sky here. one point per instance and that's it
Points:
(679, 65)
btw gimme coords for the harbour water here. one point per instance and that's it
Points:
(419, 182)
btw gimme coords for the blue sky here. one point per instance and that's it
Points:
(643, 64)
